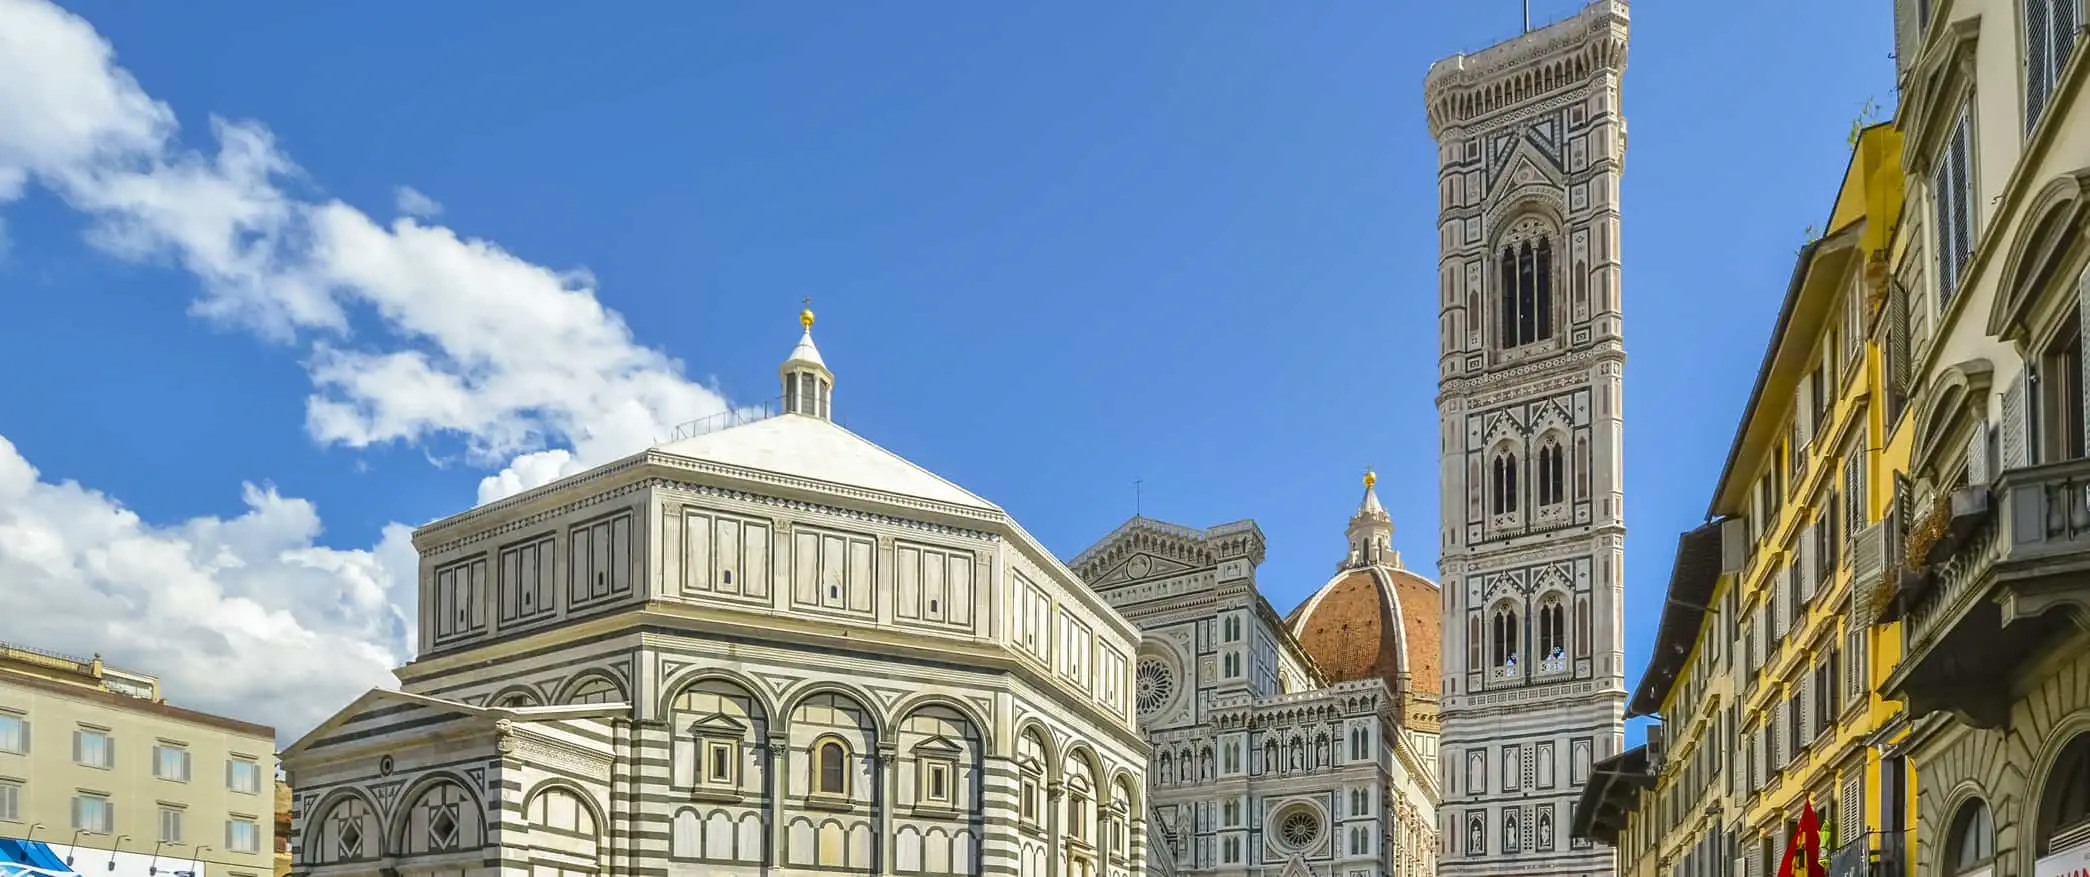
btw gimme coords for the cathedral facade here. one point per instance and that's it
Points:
(1284, 747)
(772, 648)
(1531, 144)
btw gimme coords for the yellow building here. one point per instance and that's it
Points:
(1805, 483)
(115, 781)
(1766, 660)
(1991, 297)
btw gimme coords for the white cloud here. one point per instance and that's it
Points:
(513, 357)
(519, 361)
(246, 616)
(411, 202)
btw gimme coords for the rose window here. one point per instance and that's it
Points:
(1156, 683)
(1299, 828)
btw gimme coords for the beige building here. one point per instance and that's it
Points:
(108, 776)
(1992, 524)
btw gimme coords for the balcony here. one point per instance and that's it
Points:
(1988, 570)
(1875, 854)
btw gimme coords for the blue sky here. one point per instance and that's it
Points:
(1054, 248)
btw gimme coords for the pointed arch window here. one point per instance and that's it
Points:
(1504, 635)
(1552, 630)
(1526, 271)
(1552, 474)
(1504, 483)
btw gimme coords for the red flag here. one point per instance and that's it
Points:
(1805, 840)
(1810, 828)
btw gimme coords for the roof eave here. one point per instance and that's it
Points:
(1725, 491)
(1693, 576)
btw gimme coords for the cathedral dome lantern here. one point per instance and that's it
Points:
(808, 385)
(1371, 530)
(1376, 619)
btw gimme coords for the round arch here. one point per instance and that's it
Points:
(536, 697)
(1046, 741)
(1957, 389)
(395, 822)
(561, 784)
(1080, 749)
(577, 680)
(2056, 218)
(1126, 790)
(325, 808)
(881, 726)
(2067, 748)
(682, 680)
(1965, 801)
(909, 705)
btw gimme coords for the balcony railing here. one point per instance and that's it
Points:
(2040, 516)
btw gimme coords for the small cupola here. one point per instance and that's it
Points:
(1371, 530)
(808, 386)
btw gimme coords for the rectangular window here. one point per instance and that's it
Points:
(92, 813)
(2060, 396)
(10, 802)
(243, 775)
(170, 825)
(2050, 27)
(718, 763)
(939, 782)
(93, 749)
(1030, 801)
(170, 763)
(1952, 196)
(14, 734)
(242, 836)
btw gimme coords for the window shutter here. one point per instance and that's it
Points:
(1810, 556)
(1783, 601)
(1777, 731)
(1856, 502)
(2082, 294)
(1807, 716)
(1962, 193)
(1803, 412)
(1978, 473)
(76, 747)
(2038, 72)
(2011, 434)
(1853, 821)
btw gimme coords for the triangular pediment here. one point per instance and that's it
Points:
(1528, 164)
(1141, 566)
(1166, 548)
(717, 724)
(380, 707)
(939, 745)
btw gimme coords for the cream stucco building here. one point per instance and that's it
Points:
(111, 779)
(768, 647)
(1282, 746)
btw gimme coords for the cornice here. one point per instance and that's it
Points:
(1464, 89)
(1189, 545)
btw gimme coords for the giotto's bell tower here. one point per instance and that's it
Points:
(1530, 147)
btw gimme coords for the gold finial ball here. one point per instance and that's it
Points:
(1370, 478)
(805, 318)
